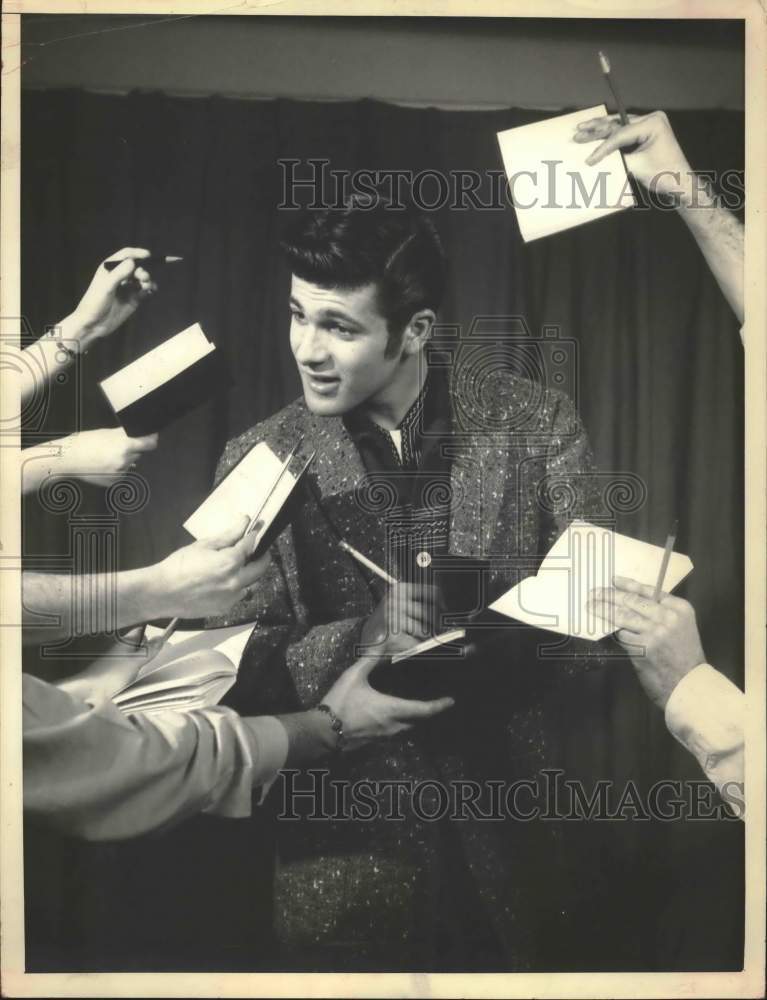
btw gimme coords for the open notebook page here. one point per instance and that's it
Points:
(584, 557)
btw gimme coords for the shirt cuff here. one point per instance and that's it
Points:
(705, 713)
(269, 740)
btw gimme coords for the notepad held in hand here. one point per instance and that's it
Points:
(192, 670)
(551, 185)
(166, 382)
(585, 557)
(258, 486)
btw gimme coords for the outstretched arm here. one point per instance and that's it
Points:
(655, 158)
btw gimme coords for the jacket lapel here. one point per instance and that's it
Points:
(338, 480)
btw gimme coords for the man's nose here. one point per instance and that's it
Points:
(312, 347)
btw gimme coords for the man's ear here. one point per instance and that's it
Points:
(418, 331)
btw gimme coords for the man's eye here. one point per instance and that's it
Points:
(297, 316)
(343, 330)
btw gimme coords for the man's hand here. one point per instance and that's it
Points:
(366, 714)
(114, 669)
(656, 158)
(98, 456)
(406, 616)
(661, 637)
(209, 576)
(112, 296)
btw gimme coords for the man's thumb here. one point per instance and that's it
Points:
(229, 535)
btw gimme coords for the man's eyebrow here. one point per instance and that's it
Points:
(330, 313)
(339, 314)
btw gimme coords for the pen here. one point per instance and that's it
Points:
(147, 262)
(604, 62)
(664, 562)
(368, 563)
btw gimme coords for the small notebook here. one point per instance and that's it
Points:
(166, 382)
(584, 557)
(551, 185)
(259, 486)
(192, 670)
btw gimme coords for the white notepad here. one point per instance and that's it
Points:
(156, 367)
(192, 670)
(243, 491)
(551, 185)
(584, 557)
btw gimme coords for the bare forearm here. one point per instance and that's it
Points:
(56, 606)
(719, 234)
(47, 357)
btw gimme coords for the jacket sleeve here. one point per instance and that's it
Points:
(570, 488)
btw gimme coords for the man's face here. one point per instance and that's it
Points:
(339, 340)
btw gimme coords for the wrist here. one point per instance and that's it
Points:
(695, 192)
(151, 593)
(75, 332)
(310, 737)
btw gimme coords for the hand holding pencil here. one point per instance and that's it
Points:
(114, 294)
(650, 150)
(657, 630)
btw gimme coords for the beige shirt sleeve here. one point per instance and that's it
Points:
(705, 713)
(96, 773)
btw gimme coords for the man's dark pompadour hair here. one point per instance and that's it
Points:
(398, 249)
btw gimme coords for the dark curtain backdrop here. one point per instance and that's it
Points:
(659, 387)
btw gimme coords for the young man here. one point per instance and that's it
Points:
(415, 463)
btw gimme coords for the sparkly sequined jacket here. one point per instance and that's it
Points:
(367, 889)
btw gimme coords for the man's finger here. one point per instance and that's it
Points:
(629, 642)
(404, 708)
(619, 617)
(634, 586)
(122, 272)
(644, 606)
(629, 135)
(228, 536)
(130, 253)
(146, 443)
(252, 571)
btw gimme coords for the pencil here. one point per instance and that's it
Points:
(671, 538)
(170, 628)
(364, 561)
(147, 262)
(604, 62)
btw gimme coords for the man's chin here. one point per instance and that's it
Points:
(324, 407)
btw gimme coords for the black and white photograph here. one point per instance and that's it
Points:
(383, 525)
